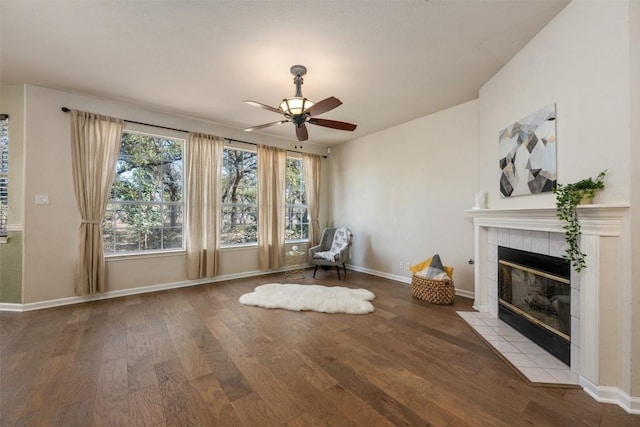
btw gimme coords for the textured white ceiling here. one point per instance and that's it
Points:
(388, 61)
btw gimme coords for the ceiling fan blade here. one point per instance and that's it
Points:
(333, 124)
(266, 125)
(266, 107)
(301, 133)
(324, 106)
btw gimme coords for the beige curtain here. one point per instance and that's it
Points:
(203, 169)
(95, 143)
(311, 164)
(272, 165)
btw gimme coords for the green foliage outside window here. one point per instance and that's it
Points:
(146, 207)
(239, 197)
(297, 219)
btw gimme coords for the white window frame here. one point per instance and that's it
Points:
(288, 206)
(224, 205)
(161, 204)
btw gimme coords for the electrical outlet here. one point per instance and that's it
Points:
(401, 265)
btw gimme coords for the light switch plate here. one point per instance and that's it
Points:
(42, 199)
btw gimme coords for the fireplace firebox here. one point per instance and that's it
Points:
(534, 294)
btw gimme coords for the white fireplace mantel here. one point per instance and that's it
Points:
(601, 318)
(603, 220)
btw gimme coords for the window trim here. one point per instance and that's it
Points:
(225, 246)
(297, 206)
(154, 252)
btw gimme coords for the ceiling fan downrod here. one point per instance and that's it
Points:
(298, 71)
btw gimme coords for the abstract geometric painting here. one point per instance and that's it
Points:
(528, 154)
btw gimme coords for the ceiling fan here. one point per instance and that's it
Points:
(300, 110)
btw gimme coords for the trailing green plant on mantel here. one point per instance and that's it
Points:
(568, 197)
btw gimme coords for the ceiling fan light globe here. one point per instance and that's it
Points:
(295, 105)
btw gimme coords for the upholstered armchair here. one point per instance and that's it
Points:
(333, 251)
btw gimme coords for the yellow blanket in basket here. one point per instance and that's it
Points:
(425, 264)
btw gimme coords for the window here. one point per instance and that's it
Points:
(4, 173)
(239, 197)
(297, 216)
(145, 212)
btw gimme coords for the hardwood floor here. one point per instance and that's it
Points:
(195, 356)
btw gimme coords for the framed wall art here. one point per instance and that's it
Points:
(527, 151)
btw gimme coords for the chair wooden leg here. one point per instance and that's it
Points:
(345, 270)
(314, 271)
(338, 270)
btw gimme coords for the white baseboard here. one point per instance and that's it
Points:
(613, 395)
(9, 306)
(395, 277)
(403, 279)
(134, 291)
(465, 294)
(164, 286)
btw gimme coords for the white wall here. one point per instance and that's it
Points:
(50, 242)
(586, 61)
(580, 62)
(403, 192)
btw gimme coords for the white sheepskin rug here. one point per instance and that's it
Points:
(335, 299)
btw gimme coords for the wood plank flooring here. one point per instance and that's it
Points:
(196, 357)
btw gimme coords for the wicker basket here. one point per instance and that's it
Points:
(433, 291)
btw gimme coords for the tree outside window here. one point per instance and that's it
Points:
(145, 212)
(239, 197)
(297, 215)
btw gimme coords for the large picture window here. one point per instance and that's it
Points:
(239, 197)
(297, 216)
(145, 212)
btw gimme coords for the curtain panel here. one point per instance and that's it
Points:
(95, 143)
(272, 165)
(311, 164)
(203, 175)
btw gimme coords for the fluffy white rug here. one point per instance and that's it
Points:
(324, 299)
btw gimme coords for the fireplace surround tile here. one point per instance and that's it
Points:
(529, 347)
(526, 357)
(540, 242)
(520, 360)
(504, 347)
(538, 375)
(526, 240)
(520, 338)
(564, 376)
(557, 245)
(492, 236)
(546, 361)
(504, 237)
(516, 239)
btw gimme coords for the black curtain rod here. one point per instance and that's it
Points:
(66, 110)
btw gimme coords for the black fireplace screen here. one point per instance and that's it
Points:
(539, 296)
(534, 294)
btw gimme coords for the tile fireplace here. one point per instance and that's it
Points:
(598, 317)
